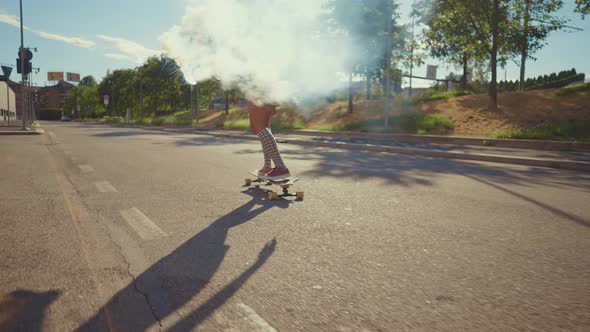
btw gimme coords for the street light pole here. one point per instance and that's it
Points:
(141, 93)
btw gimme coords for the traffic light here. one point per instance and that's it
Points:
(28, 55)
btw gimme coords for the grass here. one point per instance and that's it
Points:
(423, 123)
(414, 122)
(237, 124)
(572, 90)
(443, 96)
(565, 131)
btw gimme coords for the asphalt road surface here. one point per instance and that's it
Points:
(108, 229)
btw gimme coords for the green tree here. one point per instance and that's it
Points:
(456, 43)
(208, 90)
(88, 81)
(583, 7)
(532, 21)
(120, 87)
(87, 99)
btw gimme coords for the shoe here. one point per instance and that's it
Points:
(278, 174)
(264, 171)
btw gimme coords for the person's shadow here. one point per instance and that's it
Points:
(24, 310)
(176, 278)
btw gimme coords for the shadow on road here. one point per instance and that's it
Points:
(130, 133)
(176, 278)
(406, 170)
(23, 310)
(210, 140)
(553, 210)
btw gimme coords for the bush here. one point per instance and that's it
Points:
(237, 124)
(423, 123)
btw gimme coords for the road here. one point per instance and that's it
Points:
(130, 230)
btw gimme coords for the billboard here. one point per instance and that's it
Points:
(55, 75)
(73, 77)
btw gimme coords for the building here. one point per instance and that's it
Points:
(30, 98)
(7, 103)
(54, 97)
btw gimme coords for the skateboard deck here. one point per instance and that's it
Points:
(283, 183)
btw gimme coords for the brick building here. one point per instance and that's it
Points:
(53, 97)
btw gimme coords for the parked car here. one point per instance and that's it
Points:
(65, 118)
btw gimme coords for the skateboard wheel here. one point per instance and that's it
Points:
(248, 182)
(299, 195)
(272, 196)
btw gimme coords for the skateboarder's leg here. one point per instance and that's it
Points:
(260, 119)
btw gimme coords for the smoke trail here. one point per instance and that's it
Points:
(274, 51)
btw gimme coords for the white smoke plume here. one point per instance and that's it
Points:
(273, 50)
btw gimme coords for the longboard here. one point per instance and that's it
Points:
(283, 183)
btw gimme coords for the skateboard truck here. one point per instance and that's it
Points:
(273, 195)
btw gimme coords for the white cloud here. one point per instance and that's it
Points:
(69, 40)
(10, 19)
(129, 49)
(118, 56)
(76, 41)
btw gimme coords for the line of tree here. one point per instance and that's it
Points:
(490, 31)
(552, 81)
(468, 33)
(153, 89)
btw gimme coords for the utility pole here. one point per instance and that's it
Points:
(141, 94)
(22, 64)
(412, 47)
(388, 26)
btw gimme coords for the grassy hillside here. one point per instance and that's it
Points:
(539, 114)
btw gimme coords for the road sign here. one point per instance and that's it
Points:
(431, 72)
(6, 70)
(28, 55)
(106, 100)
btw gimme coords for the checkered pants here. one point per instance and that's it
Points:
(270, 149)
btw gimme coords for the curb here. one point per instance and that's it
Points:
(536, 162)
(23, 132)
(455, 140)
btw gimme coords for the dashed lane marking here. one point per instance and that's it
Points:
(86, 168)
(141, 224)
(105, 187)
(252, 316)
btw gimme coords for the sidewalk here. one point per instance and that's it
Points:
(18, 130)
(572, 156)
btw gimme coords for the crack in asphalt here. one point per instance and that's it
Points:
(118, 247)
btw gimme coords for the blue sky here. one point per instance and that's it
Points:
(90, 37)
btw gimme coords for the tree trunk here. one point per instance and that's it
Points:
(350, 107)
(226, 103)
(525, 43)
(368, 75)
(464, 80)
(494, 54)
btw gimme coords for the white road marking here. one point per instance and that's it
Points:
(256, 319)
(105, 187)
(144, 227)
(86, 168)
